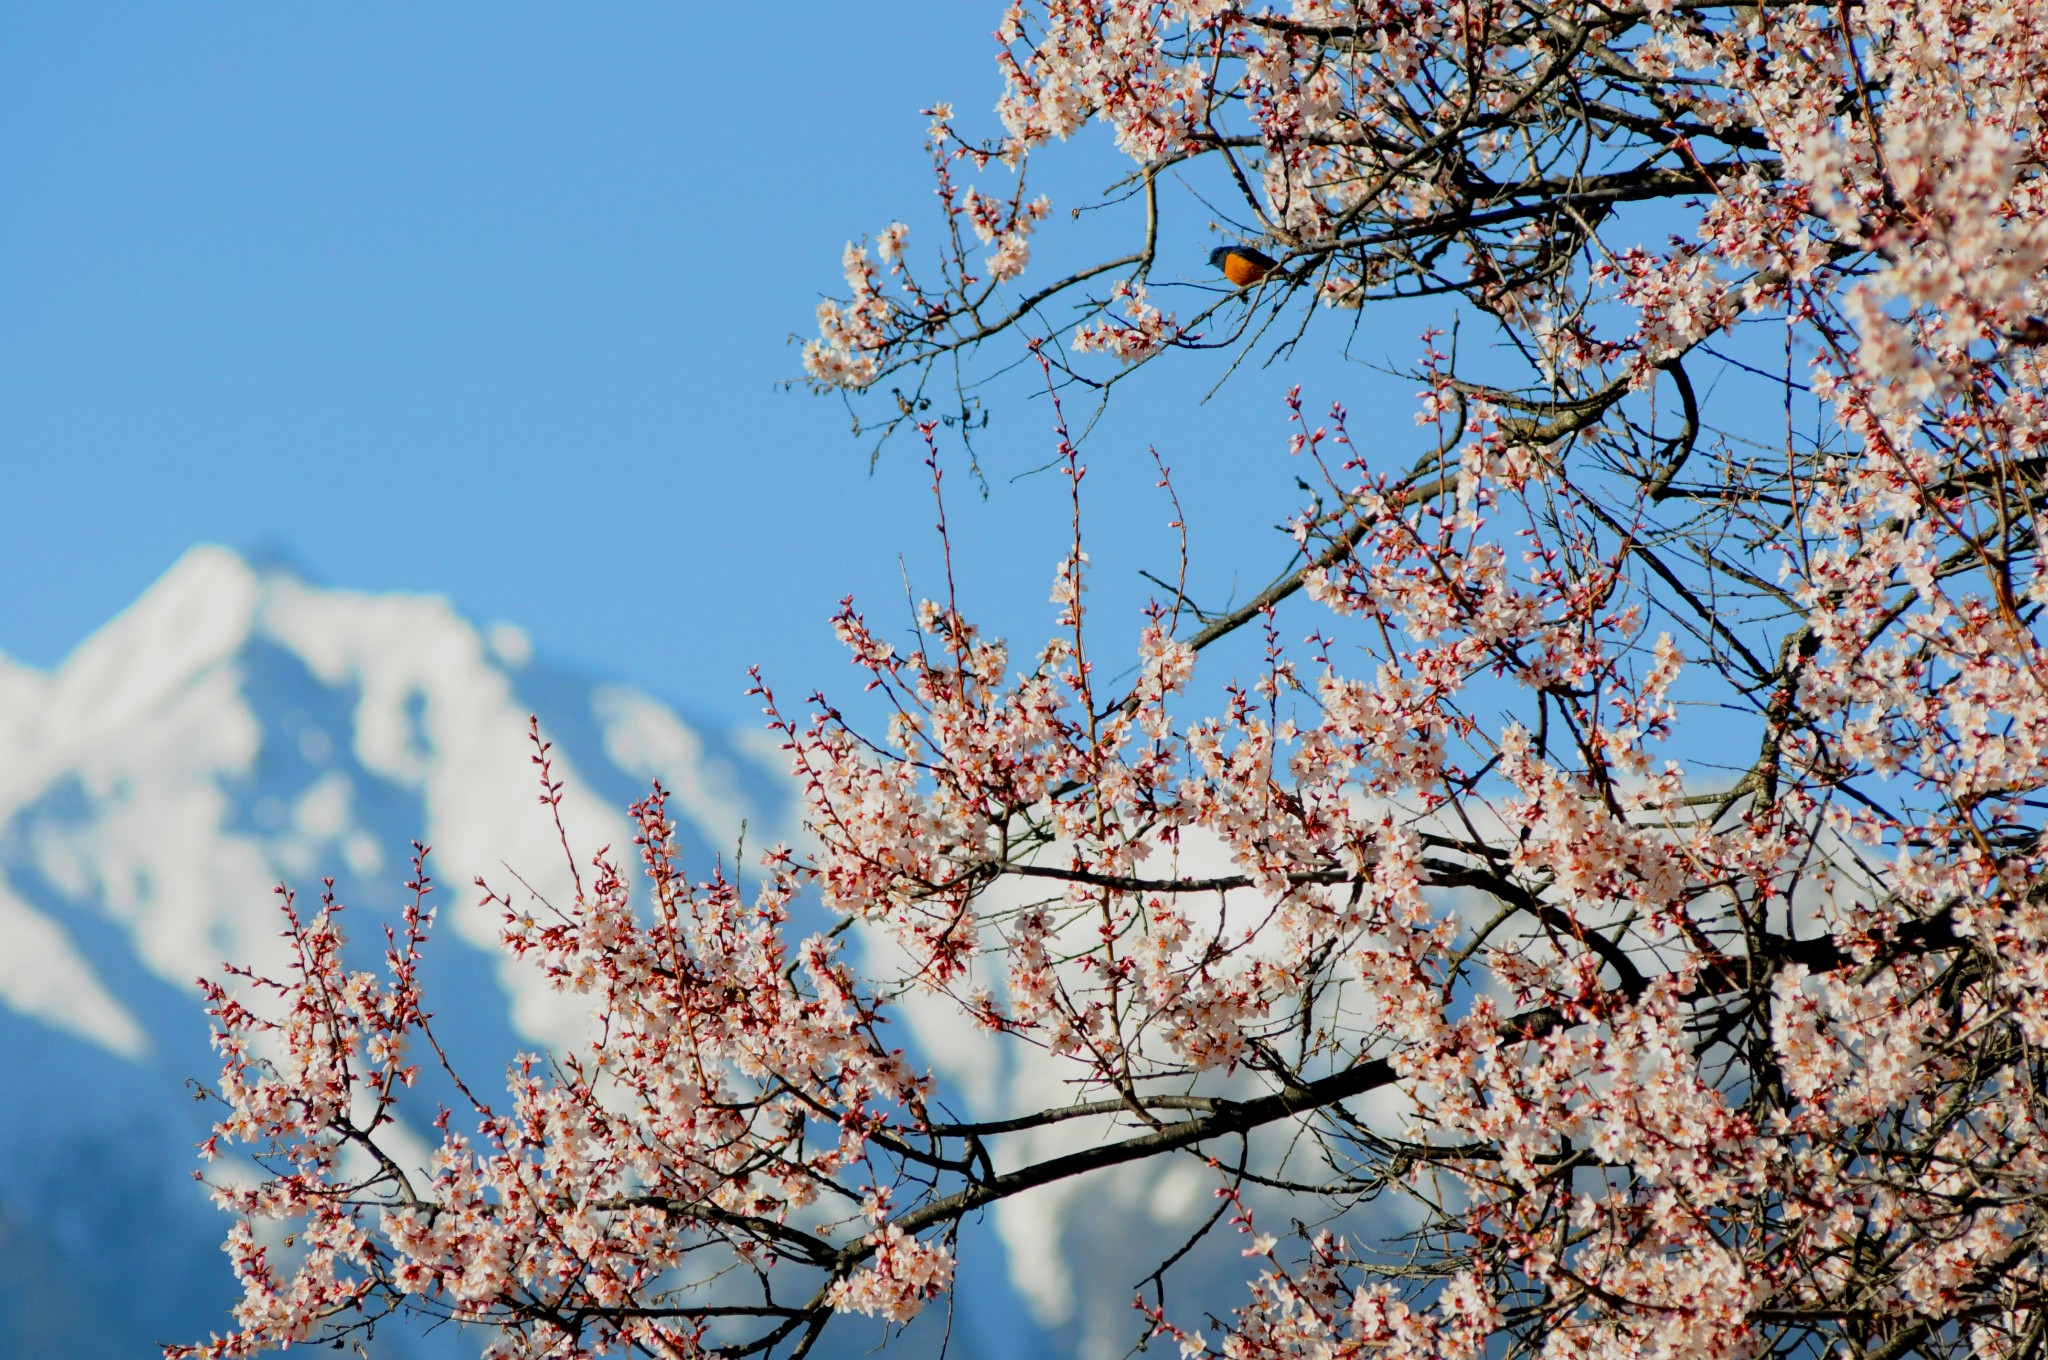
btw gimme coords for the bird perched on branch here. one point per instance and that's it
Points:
(1243, 265)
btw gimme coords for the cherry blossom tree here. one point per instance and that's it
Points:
(1608, 921)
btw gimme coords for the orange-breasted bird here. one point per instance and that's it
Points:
(1242, 265)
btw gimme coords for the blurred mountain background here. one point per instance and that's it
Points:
(237, 728)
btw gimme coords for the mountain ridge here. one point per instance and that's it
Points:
(238, 727)
(233, 729)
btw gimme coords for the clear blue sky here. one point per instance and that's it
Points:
(492, 301)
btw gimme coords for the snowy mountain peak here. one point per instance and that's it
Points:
(237, 727)
(194, 617)
(234, 728)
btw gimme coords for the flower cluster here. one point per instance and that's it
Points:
(1144, 331)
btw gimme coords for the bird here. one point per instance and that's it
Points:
(1243, 265)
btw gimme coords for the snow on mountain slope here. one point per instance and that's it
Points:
(234, 728)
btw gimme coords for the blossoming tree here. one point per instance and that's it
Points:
(1641, 1047)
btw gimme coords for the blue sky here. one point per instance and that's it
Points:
(493, 302)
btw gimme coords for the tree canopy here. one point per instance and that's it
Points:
(1610, 921)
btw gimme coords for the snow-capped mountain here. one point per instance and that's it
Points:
(238, 727)
(235, 728)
